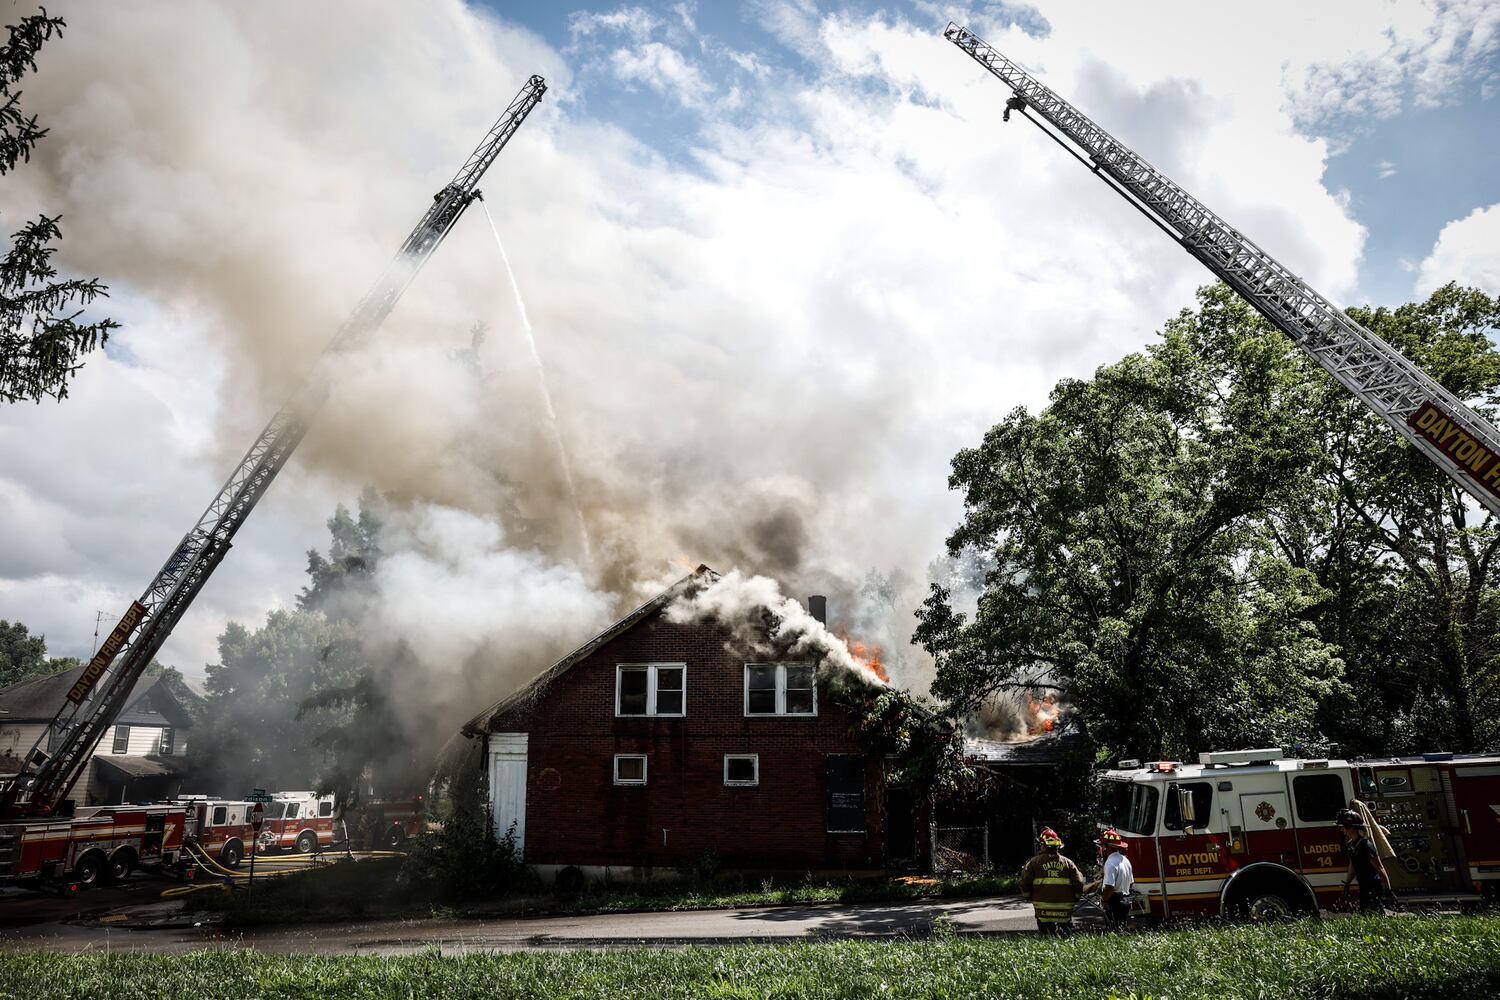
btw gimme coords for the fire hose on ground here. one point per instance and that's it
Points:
(211, 865)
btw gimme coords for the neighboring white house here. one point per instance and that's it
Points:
(141, 757)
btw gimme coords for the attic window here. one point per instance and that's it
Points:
(780, 689)
(651, 689)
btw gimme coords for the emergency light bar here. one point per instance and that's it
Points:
(1264, 756)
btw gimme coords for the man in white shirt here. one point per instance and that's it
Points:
(1118, 878)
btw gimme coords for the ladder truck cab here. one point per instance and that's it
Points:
(95, 846)
(299, 821)
(1253, 833)
(220, 828)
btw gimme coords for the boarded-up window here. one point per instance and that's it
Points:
(846, 793)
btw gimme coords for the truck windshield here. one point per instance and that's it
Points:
(1128, 807)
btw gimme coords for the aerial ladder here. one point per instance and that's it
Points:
(1458, 440)
(63, 750)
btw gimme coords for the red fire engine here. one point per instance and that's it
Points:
(97, 845)
(220, 828)
(1252, 833)
(391, 823)
(299, 821)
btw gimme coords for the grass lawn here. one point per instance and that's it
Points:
(1453, 958)
(371, 889)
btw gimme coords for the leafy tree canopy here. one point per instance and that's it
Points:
(41, 338)
(1211, 544)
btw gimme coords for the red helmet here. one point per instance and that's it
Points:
(1111, 838)
(1049, 837)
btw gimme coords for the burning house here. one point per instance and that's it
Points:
(694, 728)
(1036, 776)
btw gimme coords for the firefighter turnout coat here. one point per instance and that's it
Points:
(1051, 883)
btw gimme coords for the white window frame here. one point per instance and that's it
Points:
(645, 765)
(753, 782)
(650, 669)
(781, 712)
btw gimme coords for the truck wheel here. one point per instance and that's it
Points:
(231, 854)
(121, 864)
(90, 870)
(394, 837)
(1269, 898)
(307, 842)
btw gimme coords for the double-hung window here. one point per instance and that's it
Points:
(651, 689)
(167, 741)
(122, 739)
(781, 689)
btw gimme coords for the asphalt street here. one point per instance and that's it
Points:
(119, 918)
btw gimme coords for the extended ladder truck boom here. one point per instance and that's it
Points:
(57, 760)
(1458, 440)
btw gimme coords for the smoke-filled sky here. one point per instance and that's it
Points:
(781, 260)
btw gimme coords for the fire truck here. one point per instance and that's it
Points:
(220, 828)
(390, 823)
(1252, 833)
(95, 846)
(300, 821)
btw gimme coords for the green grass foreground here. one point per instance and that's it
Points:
(1389, 957)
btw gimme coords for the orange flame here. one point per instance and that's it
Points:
(866, 654)
(1044, 714)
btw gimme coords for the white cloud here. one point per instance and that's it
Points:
(665, 70)
(1467, 251)
(1419, 54)
(635, 22)
(1385, 168)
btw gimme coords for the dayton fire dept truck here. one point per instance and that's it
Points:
(220, 828)
(1251, 833)
(301, 822)
(96, 845)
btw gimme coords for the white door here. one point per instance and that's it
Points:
(508, 786)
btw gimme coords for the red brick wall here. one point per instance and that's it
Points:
(575, 814)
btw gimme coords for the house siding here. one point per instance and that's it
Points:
(576, 815)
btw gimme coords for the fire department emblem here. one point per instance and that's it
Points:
(1265, 811)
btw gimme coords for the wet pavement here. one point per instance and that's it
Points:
(119, 918)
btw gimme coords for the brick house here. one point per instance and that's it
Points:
(140, 758)
(658, 744)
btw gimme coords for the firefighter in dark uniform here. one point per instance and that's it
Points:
(1364, 863)
(1051, 884)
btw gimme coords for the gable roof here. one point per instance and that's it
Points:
(1056, 747)
(37, 699)
(481, 722)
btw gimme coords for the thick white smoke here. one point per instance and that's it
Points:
(736, 597)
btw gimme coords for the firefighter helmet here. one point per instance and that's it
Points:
(1111, 838)
(1049, 838)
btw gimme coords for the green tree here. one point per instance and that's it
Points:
(251, 734)
(41, 338)
(1132, 566)
(22, 654)
(340, 579)
(1411, 561)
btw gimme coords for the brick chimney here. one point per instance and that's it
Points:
(817, 606)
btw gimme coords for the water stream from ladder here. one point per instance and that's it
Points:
(541, 377)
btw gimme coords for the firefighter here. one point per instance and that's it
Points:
(1051, 884)
(1364, 863)
(1118, 878)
